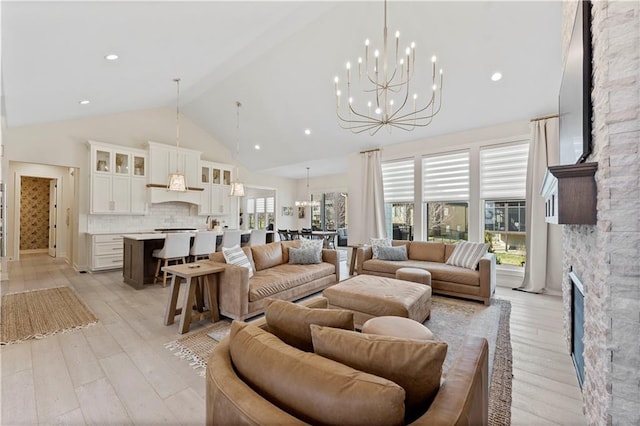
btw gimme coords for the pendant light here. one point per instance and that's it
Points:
(177, 180)
(237, 187)
(308, 202)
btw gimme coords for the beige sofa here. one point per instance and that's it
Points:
(241, 297)
(445, 279)
(462, 398)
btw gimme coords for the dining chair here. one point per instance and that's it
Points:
(284, 235)
(294, 234)
(230, 238)
(258, 237)
(204, 243)
(176, 247)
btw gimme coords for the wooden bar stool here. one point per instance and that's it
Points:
(194, 274)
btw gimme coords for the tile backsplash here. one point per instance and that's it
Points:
(162, 215)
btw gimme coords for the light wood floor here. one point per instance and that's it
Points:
(118, 371)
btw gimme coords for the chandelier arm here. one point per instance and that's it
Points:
(368, 119)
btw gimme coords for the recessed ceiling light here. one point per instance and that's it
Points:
(111, 57)
(496, 76)
(257, 147)
(84, 102)
(307, 132)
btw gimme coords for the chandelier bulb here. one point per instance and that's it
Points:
(376, 53)
(336, 79)
(440, 71)
(378, 111)
(397, 34)
(413, 44)
(350, 100)
(407, 51)
(402, 61)
(433, 59)
(360, 60)
(391, 102)
(366, 42)
(415, 96)
(348, 65)
(369, 104)
(338, 92)
(435, 87)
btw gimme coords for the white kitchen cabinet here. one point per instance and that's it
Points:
(115, 171)
(215, 178)
(165, 159)
(106, 251)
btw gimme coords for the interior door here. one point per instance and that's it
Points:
(53, 214)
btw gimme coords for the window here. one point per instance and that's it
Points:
(331, 214)
(503, 176)
(446, 196)
(398, 183)
(261, 212)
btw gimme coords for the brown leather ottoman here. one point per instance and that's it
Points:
(369, 296)
(404, 328)
(415, 275)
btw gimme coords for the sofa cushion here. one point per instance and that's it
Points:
(286, 245)
(314, 389)
(235, 256)
(267, 255)
(393, 253)
(414, 365)
(467, 254)
(268, 282)
(291, 322)
(426, 250)
(304, 256)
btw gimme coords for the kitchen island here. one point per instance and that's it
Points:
(139, 265)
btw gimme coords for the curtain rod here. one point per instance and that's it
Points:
(544, 117)
(370, 150)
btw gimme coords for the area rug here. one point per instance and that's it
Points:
(40, 313)
(452, 321)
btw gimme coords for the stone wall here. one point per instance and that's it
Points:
(606, 256)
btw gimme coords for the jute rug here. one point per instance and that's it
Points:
(40, 313)
(452, 320)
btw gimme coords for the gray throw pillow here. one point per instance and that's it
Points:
(304, 256)
(393, 253)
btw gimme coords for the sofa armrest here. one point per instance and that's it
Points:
(233, 291)
(331, 256)
(364, 253)
(463, 398)
(487, 268)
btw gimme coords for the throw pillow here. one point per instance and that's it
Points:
(306, 243)
(291, 322)
(236, 256)
(393, 253)
(304, 256)
(379, 242)
(314, 389)
(414, 365)
(467, 254)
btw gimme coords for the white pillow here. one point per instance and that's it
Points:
(236, 256)
(467, 254)
(379, 242)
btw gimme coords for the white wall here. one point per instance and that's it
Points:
(472, 140)
(64, 144)
(320, 184)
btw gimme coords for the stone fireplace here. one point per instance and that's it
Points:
(577, 326)
(605, 257)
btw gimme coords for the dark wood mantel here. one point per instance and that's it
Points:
(576, 193)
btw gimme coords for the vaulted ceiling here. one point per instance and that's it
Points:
(277, 58)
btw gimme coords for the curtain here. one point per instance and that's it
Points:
(372, 213)
(543, 268)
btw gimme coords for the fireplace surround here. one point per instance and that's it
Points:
(577, 325)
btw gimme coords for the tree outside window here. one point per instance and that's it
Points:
(447, 221)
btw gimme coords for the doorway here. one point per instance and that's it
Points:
(38, 213)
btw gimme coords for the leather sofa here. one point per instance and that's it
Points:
(462, 398)
(445, 279)
(241, 297)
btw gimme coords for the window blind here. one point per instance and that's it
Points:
(398, 181)
(446, 177)
(503, 171)
(251, 206)
(259, 205)
(271, 204)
